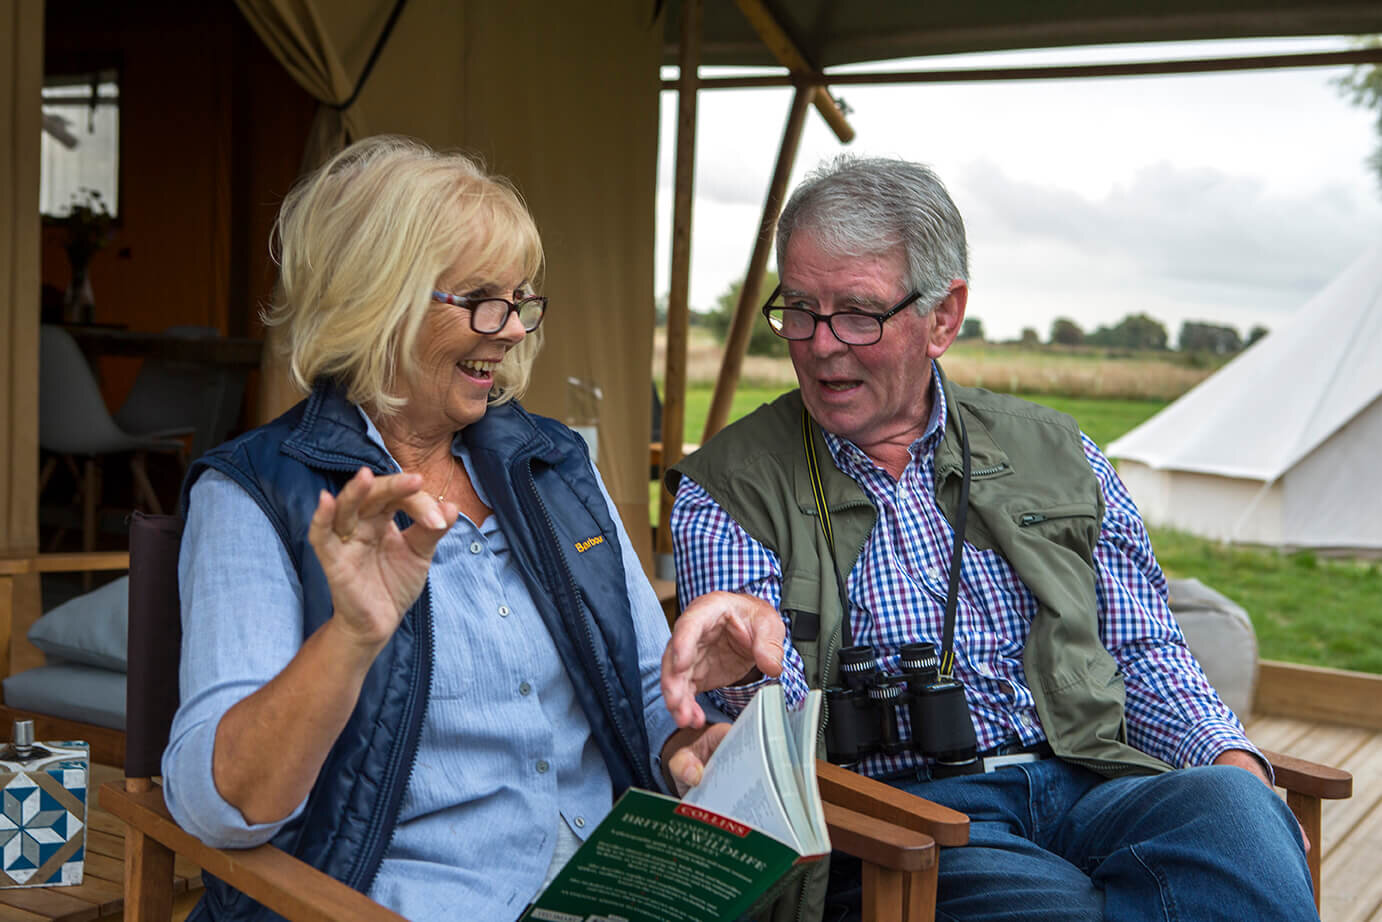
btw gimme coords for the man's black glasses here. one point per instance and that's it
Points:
(488, 315)
(853, 328)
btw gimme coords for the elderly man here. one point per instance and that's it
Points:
(1103, 777)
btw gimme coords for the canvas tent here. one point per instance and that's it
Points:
(1280, 446)
(561, 97)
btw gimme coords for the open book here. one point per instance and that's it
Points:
(713, 854)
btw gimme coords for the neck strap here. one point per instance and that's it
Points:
(947, 658)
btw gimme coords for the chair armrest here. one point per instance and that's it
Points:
(844, 788)
(1309, 778)
(880, 842)
(281, 882)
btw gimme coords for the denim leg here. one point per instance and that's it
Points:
(1195, 844)
(1002, 875)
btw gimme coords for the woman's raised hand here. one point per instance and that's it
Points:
(376, 571)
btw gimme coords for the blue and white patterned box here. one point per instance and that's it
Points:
(43, 816)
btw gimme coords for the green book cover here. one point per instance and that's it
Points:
(656, 859)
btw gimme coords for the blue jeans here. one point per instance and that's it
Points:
(1051, 840)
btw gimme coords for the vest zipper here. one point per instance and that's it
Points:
(371, 856)
(640, 772)
(412, 718)
(998, 468)
(1036, 518)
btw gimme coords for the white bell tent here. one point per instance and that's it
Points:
(1283, 445)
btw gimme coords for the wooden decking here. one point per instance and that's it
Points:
(1352, 846)
(101, 893)
(1351, 862)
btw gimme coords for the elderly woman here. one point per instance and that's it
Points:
(419, 651)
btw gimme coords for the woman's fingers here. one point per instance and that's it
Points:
(347, 513)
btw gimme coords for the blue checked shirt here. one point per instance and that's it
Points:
(897, 594)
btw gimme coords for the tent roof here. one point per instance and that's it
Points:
(835, 32)
(1274, 404)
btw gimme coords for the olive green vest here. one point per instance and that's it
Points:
(1033, 499)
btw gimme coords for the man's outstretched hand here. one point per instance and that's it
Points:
(722, 638)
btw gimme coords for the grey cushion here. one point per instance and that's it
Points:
(70, 690)
(1220, 634)
(89, 629)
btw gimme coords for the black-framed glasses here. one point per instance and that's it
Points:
(488, 315)
(853, 328)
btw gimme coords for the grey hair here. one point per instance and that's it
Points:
(856, 206)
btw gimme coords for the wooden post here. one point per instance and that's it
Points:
(737, 343)
(678, 297)
(1307, 811)
(771, 33)
(148, 870)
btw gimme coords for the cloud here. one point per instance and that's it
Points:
(1171, 226)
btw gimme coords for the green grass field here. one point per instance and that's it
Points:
(1304, 609)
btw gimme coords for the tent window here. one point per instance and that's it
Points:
(81, 141)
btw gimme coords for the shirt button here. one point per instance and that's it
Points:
(1024, 717)
(542, 766)
(524, 688)
(580, 822)
(476, 547)
(503, 611)
(933, 574)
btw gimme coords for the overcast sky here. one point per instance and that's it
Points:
(1229, 198)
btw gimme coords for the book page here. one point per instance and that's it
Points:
(784, 764)
(738, 782)
(801, 735)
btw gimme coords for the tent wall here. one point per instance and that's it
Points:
(1205, 504)
(1334, 495)
(562, 99)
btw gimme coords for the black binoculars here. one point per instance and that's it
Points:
(863, 711)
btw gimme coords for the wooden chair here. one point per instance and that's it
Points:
(897, 847)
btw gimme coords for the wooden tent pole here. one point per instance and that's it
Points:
(737, 343)
(678, 296)
(776, 39)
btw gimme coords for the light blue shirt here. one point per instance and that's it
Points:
(506, 763)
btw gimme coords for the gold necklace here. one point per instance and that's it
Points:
(442, 495)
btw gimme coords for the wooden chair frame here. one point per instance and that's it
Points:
(895, 835)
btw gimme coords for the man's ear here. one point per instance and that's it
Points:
(947, 318)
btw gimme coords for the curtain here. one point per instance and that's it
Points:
(318, 52)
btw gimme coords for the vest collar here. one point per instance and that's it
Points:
(331, 434)
(986, 457)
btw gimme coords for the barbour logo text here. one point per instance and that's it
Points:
(588, 543)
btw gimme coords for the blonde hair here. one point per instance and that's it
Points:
(362, 242)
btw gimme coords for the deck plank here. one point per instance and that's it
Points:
(1352, 828)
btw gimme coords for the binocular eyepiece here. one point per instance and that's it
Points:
(863, 710)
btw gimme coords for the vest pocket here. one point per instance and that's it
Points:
(1051, 516)
(1072, 525)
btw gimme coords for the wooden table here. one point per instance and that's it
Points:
(230, 351)
(101, 894)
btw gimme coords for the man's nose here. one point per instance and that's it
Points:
(824, 342)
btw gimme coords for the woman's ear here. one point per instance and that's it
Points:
(946, 319)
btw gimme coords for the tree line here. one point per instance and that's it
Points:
(1133, 332)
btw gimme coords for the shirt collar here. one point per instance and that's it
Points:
(458, 448)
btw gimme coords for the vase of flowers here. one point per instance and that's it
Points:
(89, 227)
